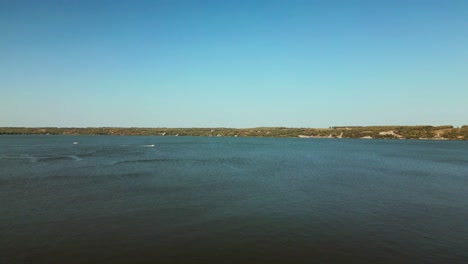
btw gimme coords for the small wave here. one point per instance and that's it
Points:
(143, 161)
(35, 159)
(30, 158)
(75, 158)
(145, 146)
(56, 158)
(14, 157)
(46, 159)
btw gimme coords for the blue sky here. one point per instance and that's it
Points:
(233, 63)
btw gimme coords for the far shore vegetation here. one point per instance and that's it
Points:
(365, 132)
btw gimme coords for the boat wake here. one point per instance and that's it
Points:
(35, 159)
(145, 146)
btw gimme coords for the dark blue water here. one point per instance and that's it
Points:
(232, 200)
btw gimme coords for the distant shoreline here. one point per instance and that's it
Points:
(358, 132)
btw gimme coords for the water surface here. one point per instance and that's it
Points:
(232, 200)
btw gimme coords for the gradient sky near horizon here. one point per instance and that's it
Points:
(233, 63)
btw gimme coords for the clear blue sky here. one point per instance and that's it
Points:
(233, 63)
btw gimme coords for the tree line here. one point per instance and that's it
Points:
(384, 132)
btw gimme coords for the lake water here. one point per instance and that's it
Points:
(232, 200)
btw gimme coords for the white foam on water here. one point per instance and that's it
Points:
(27, 157)
(35, 159)
(75, 158)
